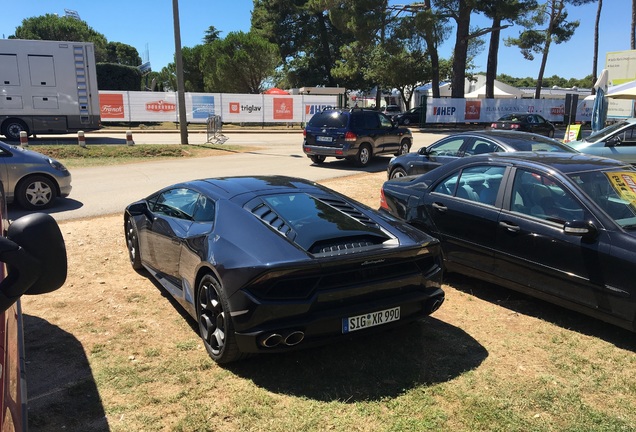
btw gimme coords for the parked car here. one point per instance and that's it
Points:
(468, 144)
(267, 264)
(617, 141)
(525, 122)
(558, 226)
(390, 110)
(412, 116)
(355, 134)
(33, 257)
(32, 179)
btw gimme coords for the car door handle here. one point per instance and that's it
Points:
(510, 227)
(440, 207)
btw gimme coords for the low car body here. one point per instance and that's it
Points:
(413, 116)
(354, 134)
(32, 261)
(617, 141)
(465, 144)
(525, 122)
(557, 226)
(32, 179)
(267, 264)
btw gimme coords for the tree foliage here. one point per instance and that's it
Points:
(120, 53)
(118, 77)
(53, 27)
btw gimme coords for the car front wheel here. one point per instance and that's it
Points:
(364, 155)
(551, 134)
(398, 172)
(215, 324)
(407, 121)
(405, 146)
(35, 192)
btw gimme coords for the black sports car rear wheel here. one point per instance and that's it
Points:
(215, 324)
(132, 243)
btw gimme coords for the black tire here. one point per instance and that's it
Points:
(551, 134)
(406, 121)
(132, 243)
(317, 159)
(398, 172)
(12, 129)
(35, 192)
(215, 324)
(364, 156)
(405, 146)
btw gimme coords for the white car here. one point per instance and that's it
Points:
(616, 141)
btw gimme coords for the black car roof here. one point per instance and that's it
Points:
(567, 163)
(229, 187)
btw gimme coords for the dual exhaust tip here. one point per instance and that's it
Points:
(274, 339)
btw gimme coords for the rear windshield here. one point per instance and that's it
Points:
(317, 222)
(329, 119)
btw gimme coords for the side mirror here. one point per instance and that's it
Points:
(35, 255)
(580, 228)
(138, 209)
(424, 151)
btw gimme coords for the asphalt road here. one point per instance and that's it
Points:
(106, 190)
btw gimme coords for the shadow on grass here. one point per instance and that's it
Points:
(370, 367)
(527, 305)
(61, 389)
(362, 367)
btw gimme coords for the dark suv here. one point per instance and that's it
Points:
(355, 134)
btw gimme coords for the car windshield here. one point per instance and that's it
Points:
(329, 119)
(614, 191)
(600, 135)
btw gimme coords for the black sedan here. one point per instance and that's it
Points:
(414, 116)
(266, 264)
(468, 144)
(561, 227)
(526, 123)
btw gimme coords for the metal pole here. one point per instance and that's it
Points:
(183, 125)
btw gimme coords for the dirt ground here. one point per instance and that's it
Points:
(94, 340)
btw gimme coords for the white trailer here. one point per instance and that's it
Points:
(47, 87)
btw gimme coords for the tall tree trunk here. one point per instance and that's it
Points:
(633, 38)
(324, 45)
(461, 50)
(491, 65)
(595, 57)
(556, 9)
(431, 45)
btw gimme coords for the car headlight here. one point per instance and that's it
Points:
(56, 165)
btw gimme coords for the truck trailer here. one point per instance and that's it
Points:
(47, 87)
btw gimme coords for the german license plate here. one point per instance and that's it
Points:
(324, 138)
(370, 319)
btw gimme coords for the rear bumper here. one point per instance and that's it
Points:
(347, 150)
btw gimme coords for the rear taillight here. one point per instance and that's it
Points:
(494, 125)
(305, 132)
(383, 204)
(514, 126)
(350, 136)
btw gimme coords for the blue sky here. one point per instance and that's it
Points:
(148, 26)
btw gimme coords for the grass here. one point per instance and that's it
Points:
(95, 155)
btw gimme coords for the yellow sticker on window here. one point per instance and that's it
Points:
(624, 182)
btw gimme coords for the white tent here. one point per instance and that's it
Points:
(501, 91)
(622, 91)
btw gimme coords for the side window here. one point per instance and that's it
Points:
(480, 146)
(540, 196)
(385, 122)
(629, 138)
(178, 203)
(479, 183)
(204, 211)
(371, 120)
(447, 148)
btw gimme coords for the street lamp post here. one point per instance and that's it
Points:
(183, 125)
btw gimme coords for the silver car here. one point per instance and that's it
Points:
(32, 179)
(617, 141)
